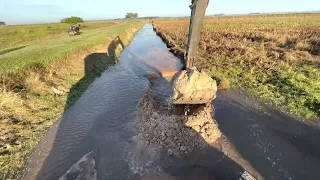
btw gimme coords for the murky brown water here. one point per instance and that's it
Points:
(148, 55)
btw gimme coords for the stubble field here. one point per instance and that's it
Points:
(275, 57)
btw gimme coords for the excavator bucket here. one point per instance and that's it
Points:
(191, 86)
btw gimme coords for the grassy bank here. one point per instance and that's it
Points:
(11, 36)
(274, 57)
(41, 80)
(44, 51)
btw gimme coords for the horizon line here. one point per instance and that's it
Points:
(182, 16)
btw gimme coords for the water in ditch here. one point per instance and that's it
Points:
(97, 137)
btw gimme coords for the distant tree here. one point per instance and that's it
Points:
(72, 20)
(2, 23)
(131, 15)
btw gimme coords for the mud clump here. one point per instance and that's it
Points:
(176, 128)
(193, 87)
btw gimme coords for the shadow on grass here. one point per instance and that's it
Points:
(12, 49)
(95, 65)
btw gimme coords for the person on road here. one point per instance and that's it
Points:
(72, 27)
(75, 28)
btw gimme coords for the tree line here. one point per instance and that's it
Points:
(131, 15)
(72, 20)
(75, 19)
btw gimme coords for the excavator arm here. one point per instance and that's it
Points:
(198, 11)
(191, 86)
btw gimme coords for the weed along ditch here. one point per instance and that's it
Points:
(125, 127)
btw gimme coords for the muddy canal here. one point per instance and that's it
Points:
(97, 137)
(103, 119)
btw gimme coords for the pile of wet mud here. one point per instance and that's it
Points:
(178, 129)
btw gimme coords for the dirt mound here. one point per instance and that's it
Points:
(168, 126)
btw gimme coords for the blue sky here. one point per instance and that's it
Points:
(43, 11)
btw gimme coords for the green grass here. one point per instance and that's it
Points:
(46, 51)
(15, 35)
(296, 89)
